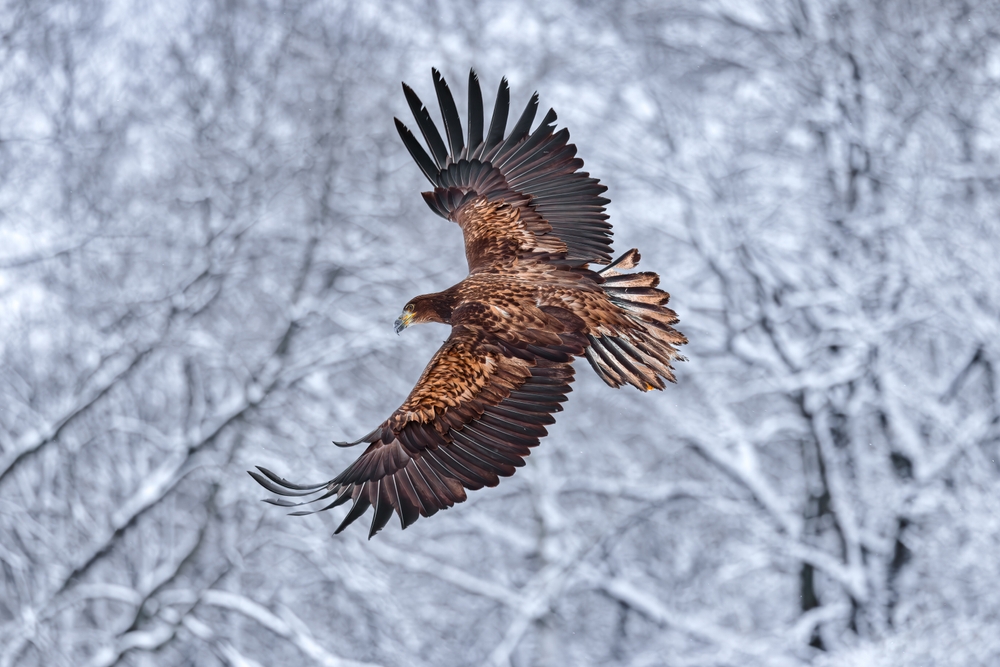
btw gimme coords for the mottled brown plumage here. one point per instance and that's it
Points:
(533, 223)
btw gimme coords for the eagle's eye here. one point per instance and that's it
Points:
(409, 308)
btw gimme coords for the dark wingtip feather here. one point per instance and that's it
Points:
(475, 112)
(423, 161)
(280, 502)
(513, 159)
(427, 128)
(449, 114)
(283, 487)
(370, 437)
(527, 116)
(383, 507)
(498, 124)
(522, 126)
(360, 506)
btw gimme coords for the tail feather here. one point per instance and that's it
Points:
(605, 368)
(641, 356)
(660, 317)
(641, 369)
(648, 295)
(641, 279)
(647, 355)
(627, 261)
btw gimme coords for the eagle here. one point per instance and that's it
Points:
(533, 224)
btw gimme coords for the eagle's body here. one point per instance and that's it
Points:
(532, 224)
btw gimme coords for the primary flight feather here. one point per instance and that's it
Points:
(533, 223)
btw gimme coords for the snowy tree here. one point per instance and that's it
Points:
(208, 225)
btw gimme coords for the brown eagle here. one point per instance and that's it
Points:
(533, 222)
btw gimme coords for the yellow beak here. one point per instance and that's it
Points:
(403, 321)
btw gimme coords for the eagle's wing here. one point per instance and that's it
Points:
(481, 403)
(516, 195)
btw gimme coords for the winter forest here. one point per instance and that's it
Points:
(208, 225)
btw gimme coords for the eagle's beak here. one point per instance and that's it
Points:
(402, 322)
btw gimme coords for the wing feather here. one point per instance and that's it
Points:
(427, 127)
(519, 133)
(518, 196)
(475, 111)
(449, 114)
(498, 124)
(472, 418)
(417, 151)
(360, 506)
(379, 493)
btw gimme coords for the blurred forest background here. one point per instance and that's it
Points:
(208, 225)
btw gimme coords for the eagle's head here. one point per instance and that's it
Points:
(425, 308)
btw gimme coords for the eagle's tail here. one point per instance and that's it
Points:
(642, 356)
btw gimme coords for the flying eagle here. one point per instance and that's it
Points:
(533, 223)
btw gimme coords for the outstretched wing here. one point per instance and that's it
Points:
(517, 195)
(482, 402)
